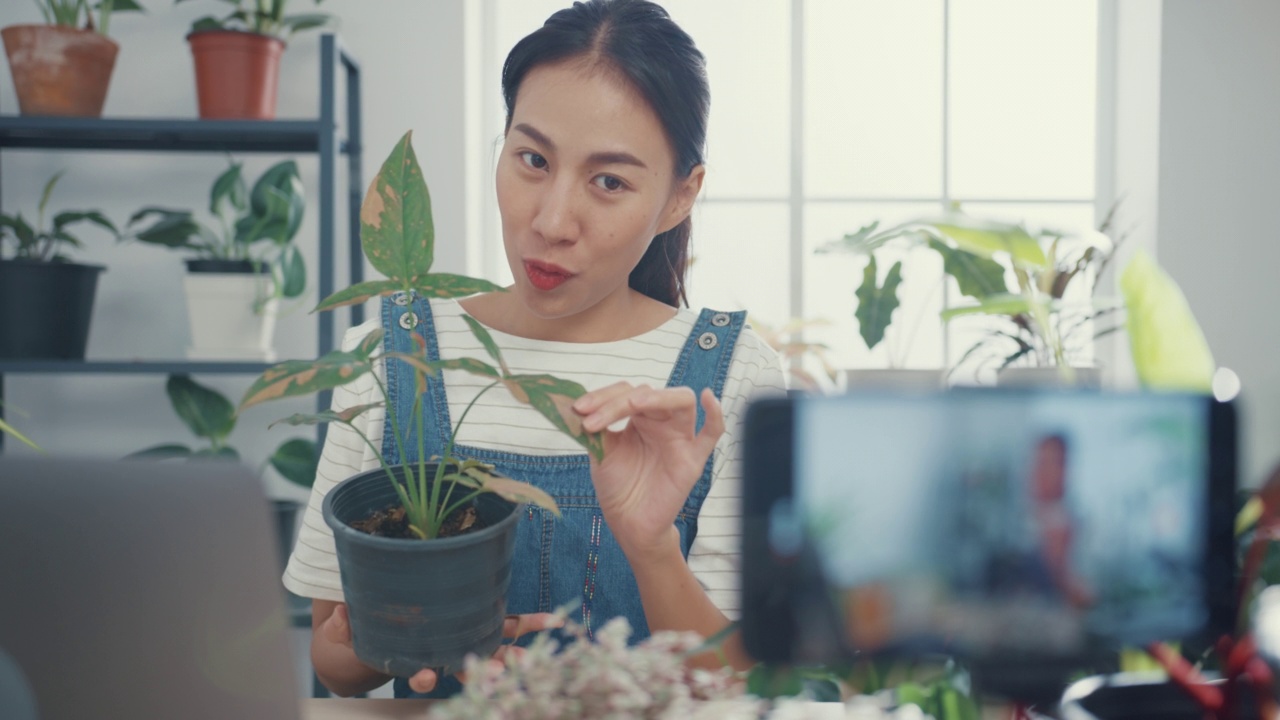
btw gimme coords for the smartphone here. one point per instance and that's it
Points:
(1022, 529)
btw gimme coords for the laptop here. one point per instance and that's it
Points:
(140, 590)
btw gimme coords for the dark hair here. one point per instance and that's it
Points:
(638, 40)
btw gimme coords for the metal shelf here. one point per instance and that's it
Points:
(162, 135)
(137, 367)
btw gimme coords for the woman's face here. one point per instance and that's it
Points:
(586, 179)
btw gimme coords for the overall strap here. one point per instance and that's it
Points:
(704, 363)
(403, 317)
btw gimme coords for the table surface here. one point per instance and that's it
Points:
(353, 709)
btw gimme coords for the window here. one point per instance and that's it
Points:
(828, 114)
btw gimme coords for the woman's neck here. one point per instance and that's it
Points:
(624, 315)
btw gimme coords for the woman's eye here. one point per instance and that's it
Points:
(533, 160)
(609, 182)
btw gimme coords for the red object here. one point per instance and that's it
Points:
(237, 74)
(545, 276)
(59, 70)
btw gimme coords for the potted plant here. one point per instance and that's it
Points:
(243, 263)
(237, 57)
(447, 525)
(63, 67)
(211, 417)
(46, 301)
(1030, 280)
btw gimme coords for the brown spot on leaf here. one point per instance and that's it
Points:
(517, 391)
(564, 404)
(371, 209)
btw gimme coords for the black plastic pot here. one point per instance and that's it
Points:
(247, 267)
(1137, 696)
(418, 604)
(45, 309)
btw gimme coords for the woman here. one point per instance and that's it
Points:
(606, 122)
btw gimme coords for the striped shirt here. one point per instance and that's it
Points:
(500, 422)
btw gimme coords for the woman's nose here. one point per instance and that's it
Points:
(557, 217)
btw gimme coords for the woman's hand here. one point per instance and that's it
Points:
(652, 464)
(337, 630)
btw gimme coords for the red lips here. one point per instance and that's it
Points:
(545, 276)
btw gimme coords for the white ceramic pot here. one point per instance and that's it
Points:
(230, 317)
(1078, 377)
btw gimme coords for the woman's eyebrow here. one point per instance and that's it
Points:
(596, 158)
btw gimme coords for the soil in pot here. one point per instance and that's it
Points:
(393, 522)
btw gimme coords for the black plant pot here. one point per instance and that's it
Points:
(247, 267)
(418, 604)
(45, 308)
(1138, 696)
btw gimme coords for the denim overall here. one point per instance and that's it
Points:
(573, 559)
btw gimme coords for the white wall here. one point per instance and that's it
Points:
(411, 55)
(1219, 194)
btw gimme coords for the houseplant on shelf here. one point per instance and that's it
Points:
(237, 57)
(63, 67)
(448, 523)
(211, 417)
(46, 301)
(243, 263)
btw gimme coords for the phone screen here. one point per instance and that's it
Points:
(1043, 522)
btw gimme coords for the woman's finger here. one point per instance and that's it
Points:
(589, 402)
(644, 401)
(713, 423)
(423, 681)
(337, 629)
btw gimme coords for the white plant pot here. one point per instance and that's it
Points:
(898, 379)
(1080, 377)
(225, 318)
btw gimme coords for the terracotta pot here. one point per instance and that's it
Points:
(59, 70)
(237, 74)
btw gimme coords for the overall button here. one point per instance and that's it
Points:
(708, 340)
(720, 320)
(401, 299)
(409, 321)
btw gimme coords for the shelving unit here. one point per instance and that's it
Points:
(320, 137)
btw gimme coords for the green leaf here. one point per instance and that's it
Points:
(345, 416)
(305, 377)
(161, 452)
(491, 347)
(293, 272)
(554, 398)
(977, 276)
(207, 23)
(986, 238)
(358, 293)
(222, 454)
(173, 228)
(512, 490)
(125, 6)
(1169, 348)
(447, 285)
(877, 303)
(433, 368)
(298, 23)
(203, 409)
(97, 218)
(229, 187)
(296, 460)
(396, 228)
(283, 177)
(765, 681)
(999, 304)
(48, 191)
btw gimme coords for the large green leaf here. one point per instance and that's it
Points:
(491, 347)
(206, 411)
(480, 476)
(283, 177)
(344, 416)
(867, 240)
(1000, 304)
(986, 238)
(876, 303)
(554, 398)
(1169, 349)
(293, 272)
(229, 188)
(172, 228)
(63, 219)
(296, 461)
(447, 285)
(977, 276)
(305, 377)
(358, 293)
(396, 228)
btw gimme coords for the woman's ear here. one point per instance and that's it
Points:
(681, 204)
